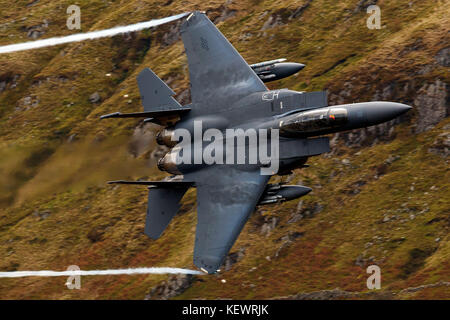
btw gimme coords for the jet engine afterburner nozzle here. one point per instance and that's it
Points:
(276, 69)
(276, 193)
(166, 138)
(168, 163)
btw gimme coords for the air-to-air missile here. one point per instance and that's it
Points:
(276, 69)
(276, 193)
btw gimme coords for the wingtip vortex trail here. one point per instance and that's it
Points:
(77, 38)
(50, 273)
(89, 35)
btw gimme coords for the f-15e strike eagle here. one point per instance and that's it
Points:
(227, 93)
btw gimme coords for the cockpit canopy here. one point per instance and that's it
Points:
(315, 120)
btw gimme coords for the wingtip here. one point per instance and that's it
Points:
(110, 115)
(114, 182)
(209, 271)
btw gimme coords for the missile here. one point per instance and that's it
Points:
(339, 118)
(276, 69)
(276, 193)
(266, 63)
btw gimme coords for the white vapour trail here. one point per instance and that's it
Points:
(49, 273)
(89, 35)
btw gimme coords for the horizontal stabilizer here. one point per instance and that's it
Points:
(162, 184)
(163, 205)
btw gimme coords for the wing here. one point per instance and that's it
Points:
(224, 205)
(218, 74)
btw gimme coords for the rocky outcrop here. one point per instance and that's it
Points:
(269, 224)
(286, 242)
(220, 14)
(32, 3)
(27, 102)
(441, 146)
(337, 293)
(95, 98)
(37, 31)
(425, 286)
(282, 249)
(305, 212)
(41, 215)
(432, 105)
(272, 21)
(296, 215)
(233, 258)
(369, 136)
(278, 18)
(443, 57)
(172, 35)
(283, 15)
(363, 4)
(8, 80)
(53, 80)
(173, 287)
(299, 11)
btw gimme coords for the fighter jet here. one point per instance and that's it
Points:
(276, 69)
(228, 94)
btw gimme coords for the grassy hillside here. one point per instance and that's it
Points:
(380, 197)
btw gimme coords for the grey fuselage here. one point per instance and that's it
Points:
(297, 116)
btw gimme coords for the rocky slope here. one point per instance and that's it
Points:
(380, 197)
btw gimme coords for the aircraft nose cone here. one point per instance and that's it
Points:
(379, 112)
(294, 192)
(297, 66)
(286, 69)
